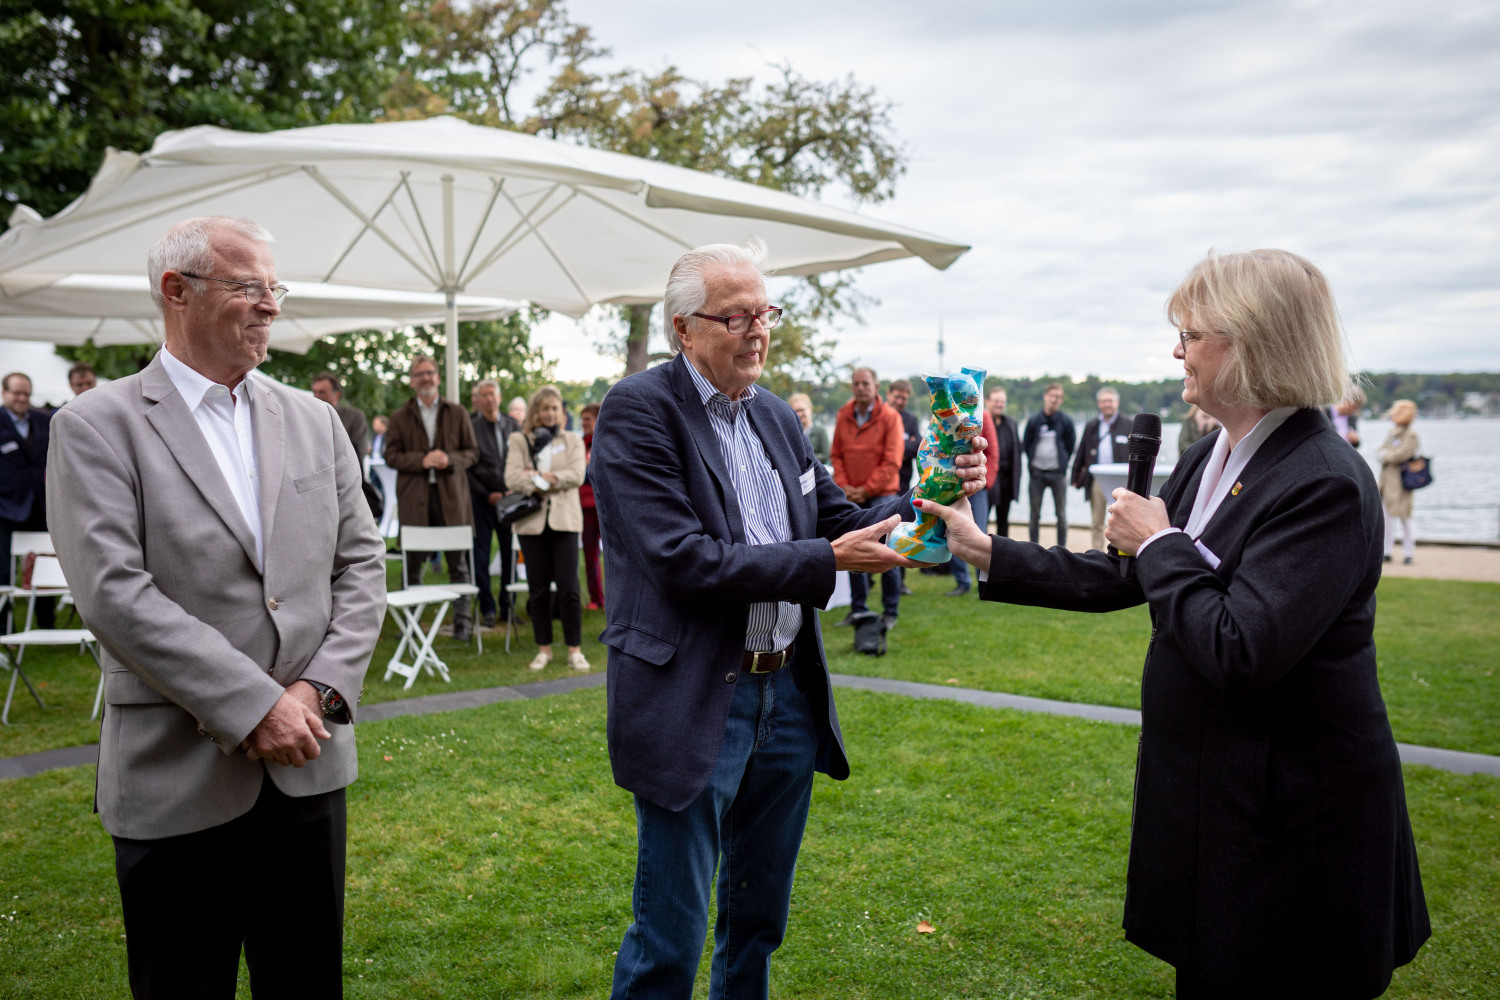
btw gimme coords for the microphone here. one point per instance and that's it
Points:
(1145, 443)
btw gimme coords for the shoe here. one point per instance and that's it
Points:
(958, 591)
(906, 591)
(578, 662)
(1386, 557)
(595, 605)
(487, 620)
(939, 570)
(540, 661)
(1407, 561)
(889, 621)
(463, 632)
(847, 620)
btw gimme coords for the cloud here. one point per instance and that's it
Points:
(1092, 151)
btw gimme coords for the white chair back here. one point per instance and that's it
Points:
(47, 574)
(415, 538)
(23, 543)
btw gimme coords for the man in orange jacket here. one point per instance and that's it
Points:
(868, 439)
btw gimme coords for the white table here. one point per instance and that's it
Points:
(1111, 476)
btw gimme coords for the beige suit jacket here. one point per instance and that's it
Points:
(198, 643)
(561, 508)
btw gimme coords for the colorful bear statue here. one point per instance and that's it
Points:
(956, 420)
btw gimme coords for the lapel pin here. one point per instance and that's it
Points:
(1236, 491)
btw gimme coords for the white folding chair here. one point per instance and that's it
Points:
(390, 520)
(517, 585)
(459, 538)
(47, 580)
(23, 544)
(18, 641)
(406, 608)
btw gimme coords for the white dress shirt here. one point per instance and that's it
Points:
(1220, 473)
(224, 418)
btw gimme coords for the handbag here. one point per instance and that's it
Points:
(1416, 473)
(514, 506)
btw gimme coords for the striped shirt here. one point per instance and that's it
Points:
(762, 499)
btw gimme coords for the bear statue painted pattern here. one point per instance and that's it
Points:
(955, 422)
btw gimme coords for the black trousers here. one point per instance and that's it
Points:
(552, 557)
(270, 881)
(45, 606)
(486, 526)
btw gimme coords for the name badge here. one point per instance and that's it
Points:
(1122, 439)
(807, 479)
(10, 446)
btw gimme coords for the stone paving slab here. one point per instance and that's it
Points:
(1456, 761)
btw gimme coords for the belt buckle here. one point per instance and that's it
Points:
(755, 667)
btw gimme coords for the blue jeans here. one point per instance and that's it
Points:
(980, 502)
(748, 821)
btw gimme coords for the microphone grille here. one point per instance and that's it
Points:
(1145, 434)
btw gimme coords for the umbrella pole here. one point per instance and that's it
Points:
(451, 348)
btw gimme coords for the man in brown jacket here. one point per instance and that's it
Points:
(868, 441)
(430, 443)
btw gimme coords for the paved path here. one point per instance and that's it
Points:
(1447, 760)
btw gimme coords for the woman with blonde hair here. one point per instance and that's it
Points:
(801, 404)
(1270, 854)
(1401, 446)
(545, 460)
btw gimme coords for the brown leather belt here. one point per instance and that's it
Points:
(765, 663)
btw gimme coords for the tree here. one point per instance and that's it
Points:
(791, 134)
(84, 75)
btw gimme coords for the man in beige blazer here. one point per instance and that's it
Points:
(212, 527)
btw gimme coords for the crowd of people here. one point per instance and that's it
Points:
(218, 535)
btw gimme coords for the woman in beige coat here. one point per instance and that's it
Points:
(1401, 445)
(545, 460)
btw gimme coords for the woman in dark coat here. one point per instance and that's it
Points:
(1271, 853)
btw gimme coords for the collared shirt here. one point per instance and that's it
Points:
(22, 424)
(762, 499)
(429, 424)
(1221, 473)
(862, 418)
(1106, 439)
(225, 419)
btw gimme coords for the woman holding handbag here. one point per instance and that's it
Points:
(546, 461)
(1401, 446)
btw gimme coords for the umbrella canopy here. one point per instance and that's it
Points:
(444, 206)
(117, 309)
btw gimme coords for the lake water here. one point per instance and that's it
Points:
(1462, 504)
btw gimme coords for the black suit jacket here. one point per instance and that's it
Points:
(1067, 438)
(912, 443)
(1088, 450)
(1270, 835)
(23, 466)
(1008, 472)
(682, 576)
(487, 475)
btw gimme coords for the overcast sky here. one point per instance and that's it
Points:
(1092, 150)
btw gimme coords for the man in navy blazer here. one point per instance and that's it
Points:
(24, 435)
(723, 535)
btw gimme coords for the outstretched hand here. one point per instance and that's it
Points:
(865, 551)
(966, 540)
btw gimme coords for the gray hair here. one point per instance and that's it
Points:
(486, 383)
(188, 246)
(686, 288)
(1107, 390)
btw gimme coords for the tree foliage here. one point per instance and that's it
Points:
(792, 134)
(84, 75)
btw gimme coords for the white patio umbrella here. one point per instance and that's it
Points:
(117, 309)
(446, 207)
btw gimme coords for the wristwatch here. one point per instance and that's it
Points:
(329, 700)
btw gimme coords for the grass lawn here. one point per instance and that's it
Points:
(491, 856)
(1437, 643)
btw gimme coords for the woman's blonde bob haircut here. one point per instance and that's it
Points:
(539, 397)
(1277, 313)
(1403, 412)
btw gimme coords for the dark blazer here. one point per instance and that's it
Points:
(682, 576)
(487, 475)
(912, 434)
(1088, 450)
(1067, 438)
(23, 468)
(1008, 476)
(1269, 838)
